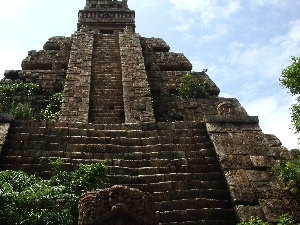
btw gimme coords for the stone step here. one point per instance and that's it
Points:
(203, 222)
(192, 193)
(38, 126)
(158, 162)
(196, 203)
(197, 215)
(156, 178)
(106, 81)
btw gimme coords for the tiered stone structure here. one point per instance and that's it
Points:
(190, 161)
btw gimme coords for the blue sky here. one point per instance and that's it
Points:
(243, 43)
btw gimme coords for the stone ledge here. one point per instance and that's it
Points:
(231, 119)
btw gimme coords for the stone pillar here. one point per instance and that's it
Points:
(75, 107)
(137, 97)
(247, 157)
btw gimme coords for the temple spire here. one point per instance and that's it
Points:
(106, 16)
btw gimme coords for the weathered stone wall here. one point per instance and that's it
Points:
(75, 103)
(164, 71)
(164, 83)
(55, 55)
(192, 109)
(51, 81)
(137, 98)
(154, 45)
(247, 157)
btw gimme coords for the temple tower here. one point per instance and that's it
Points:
(106, 16)
(202, 160)
(107, 80)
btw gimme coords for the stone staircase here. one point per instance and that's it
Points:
(106, 96)
(175, 162)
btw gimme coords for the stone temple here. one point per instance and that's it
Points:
(173, 160)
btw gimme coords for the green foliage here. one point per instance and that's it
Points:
(290, 76)
(53, 108)
(284, 219)
(289, 173)
(10, 95)
(85, 178)
(254, 221)
(8, 91)
(29, 200)
(21, 111)
(296, 114)
(191, 87)
(290, 79)
(295, 153)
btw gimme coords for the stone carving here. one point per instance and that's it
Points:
(226, 108)
(115, 206)
(128, 29)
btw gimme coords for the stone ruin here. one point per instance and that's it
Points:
(174, 160)
(117, 205)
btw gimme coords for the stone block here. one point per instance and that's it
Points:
(244, 212)
(262, 161)
(273, 208)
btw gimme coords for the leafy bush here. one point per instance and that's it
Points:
(21, 111)
(289, 173)
(29, 200)
(290, 79)
(9, 104)
(85, 178)
(254, 221)
(191, 87)
(53, 108)
(295, 153)
(8, 91)
(290, 76)
(284, 219)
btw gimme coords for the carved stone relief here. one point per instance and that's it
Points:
(118, 205)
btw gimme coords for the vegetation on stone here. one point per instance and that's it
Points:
(289, 173)
(53, 108)
(28, 199)
(11, 99)
(192, 87)
(290, 79)
(284, 219)
(15, 99)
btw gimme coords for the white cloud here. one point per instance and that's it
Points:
(183, 27)
(208, 10)
(270, 58)
(218, 32)
(147, 4)
(10, 59)
(13, 8)
(294, 33)
(265, 2)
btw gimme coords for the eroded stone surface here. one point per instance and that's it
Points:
(117, 205)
